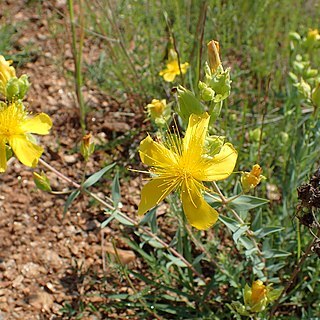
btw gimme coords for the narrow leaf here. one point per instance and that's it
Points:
(97, 176)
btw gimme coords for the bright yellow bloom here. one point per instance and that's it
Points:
(156, 108)
(173, 70)
(6, 73)
(250, 180)
(183, 166)
(313, 35)
(159, 111)
(256, 297)
(16, 128)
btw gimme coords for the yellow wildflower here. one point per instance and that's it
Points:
(183, 166)
(250, 180)
(159, 111)
(6, 73)
(16, 128)
(156, 108)
(256, 297)
(173, 70)
(313, 35)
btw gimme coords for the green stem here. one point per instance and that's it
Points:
(294, 274)
(123, 216)
(77, 57)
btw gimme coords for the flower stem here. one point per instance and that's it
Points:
(122, 215)
(225, 203)
(294, 275)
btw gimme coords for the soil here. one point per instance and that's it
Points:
(51, 264)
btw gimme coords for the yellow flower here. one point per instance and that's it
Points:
(173, 70)
(256, 297)
(313, 35)
(159, 111)
(183, 166)
(250, 180)
(156, 108)
(6, 73)
(16, 128)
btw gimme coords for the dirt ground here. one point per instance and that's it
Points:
(46, 259)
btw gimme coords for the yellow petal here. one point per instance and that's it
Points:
(26, 151)
(222, 164)
(153, 193)
(169, 76)
(184, 67)
(198, 212)
(3, 157)
(155, 154)
(40, 124)
(194, 139)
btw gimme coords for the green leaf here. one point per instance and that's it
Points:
(245, 203)
(230, 223)
(118, 216)
(97, 176)
(174, 260)
(236, 236)
(115, 190)
(73, 195)
(151, 241)
(261, 233)
(148, 217)
(273, 253)
(122, 219)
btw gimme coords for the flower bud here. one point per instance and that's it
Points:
(294, 36)
(213, 55)
(42, 182)
(86, 148)
(250, 180)
(214, 144)
(206, 93)
(159, 111)
(256, 297)
(255, 135)
(188, 103)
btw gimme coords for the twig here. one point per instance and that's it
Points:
(139, 296)
(248, 232)
(294, 275)
(128, 219)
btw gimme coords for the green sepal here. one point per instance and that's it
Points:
(188, 104)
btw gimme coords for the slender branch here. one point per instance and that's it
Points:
(202, 248)
(126, 275)
(128, 219)
(294, 275)
(225, 202)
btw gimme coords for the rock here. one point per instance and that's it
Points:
(125, 256)
(70, 158)
(41, 301)
(32, 270)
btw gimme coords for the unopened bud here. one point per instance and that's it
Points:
(42, 182)
(213, 55)
(250, 180)
(86, 148)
